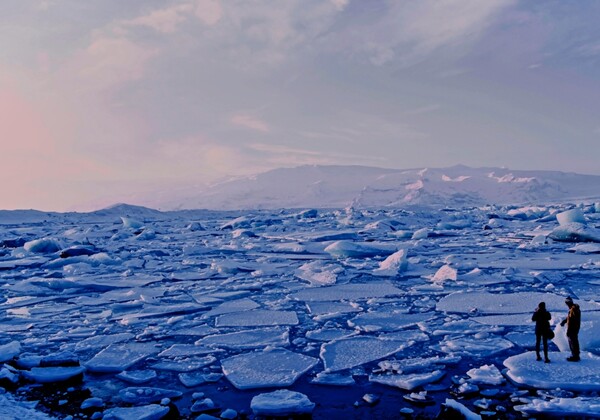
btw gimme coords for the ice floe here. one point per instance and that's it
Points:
(281, 403)
(264, 369)
(560, 373)
(351, 352)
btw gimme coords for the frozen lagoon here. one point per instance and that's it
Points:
(184, 313)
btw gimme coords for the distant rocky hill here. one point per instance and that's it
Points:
(341, 186)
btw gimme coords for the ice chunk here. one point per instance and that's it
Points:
(131, 223)
(579, 407)
(43, 246)
(347, 249)
(185, 350)
(573, 376)
(257, 318)
(467, 414)
(570, 216)
(192, 379)
(184, 365)
(356, 351)
(347, 292)
(422, 233)
(9, 351)
(146, 395)
(393, 264)
(333, 379)
(11, 409)
(444, 273)
(137, 377)
(318, 273)
(486, 374)
(329, 334)
(407, 382)
(44, 375)
(585, 248)
(231, 307)
(275, 368)
(275, 337)
(386, 321)
(472, 346)
(99, 341)
(575, 232)
(146, 412)
(118, 357)
(328, 310)
(92, 402)
(281, 403)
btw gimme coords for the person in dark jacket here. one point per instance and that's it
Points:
(542, 326)
(573, 321)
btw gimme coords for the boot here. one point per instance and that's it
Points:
(538, 357)
(546, 360)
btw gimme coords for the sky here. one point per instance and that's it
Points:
(102, 99)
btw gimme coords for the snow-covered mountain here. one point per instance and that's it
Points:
(340, 186)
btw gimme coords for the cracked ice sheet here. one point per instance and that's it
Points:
(506, 303)
(118, 357)
(277, 368)
(356, 351)
(327, 310)
(473, 346)
(257, 318)
(182, 350)
(239, 305)
(276, 337)
(357, 291)
(387, 321)
(573, 376)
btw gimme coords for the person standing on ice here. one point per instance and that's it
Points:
(573, 321)
(542, 326)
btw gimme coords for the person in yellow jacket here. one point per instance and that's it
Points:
(573, 321)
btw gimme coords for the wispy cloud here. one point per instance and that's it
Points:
(248, 121)
(162, 20)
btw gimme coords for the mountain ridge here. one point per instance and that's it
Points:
(338, 186)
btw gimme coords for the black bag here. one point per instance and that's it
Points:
(549, 333)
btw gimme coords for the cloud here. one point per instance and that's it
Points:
(162, 20)
(247, 121)
(409, 32)
(108, 62)
(209, 12)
